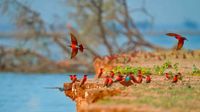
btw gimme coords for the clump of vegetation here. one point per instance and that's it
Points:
(195, 70)
(129, 69)
(159, 70)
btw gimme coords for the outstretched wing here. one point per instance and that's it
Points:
(177, 36)
(173, 34)
(180, 44)
(73, 39)
(74, 52)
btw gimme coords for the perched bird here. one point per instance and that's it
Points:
(139, 79)
(112, 74)
(139, 76)
(148, 79)
(74, 79)
(71, 77)
(133, 78)
(175, 79)
(110, 82)
(74, 46)
(168, 76)
(84, 79)
(118, 78)
(180, 39)
(100, 73)
(106, 81)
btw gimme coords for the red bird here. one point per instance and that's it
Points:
(139, 79)
(112, 74)
(71, 77)
(74, 46)
(133, 78)
(100, 73)
(148, 79)
(110, 82)
(168, 76)
(74, 79)
(118, 78)
(175, 79)
(140, 76)
(83, 80)
(106, 81)
(179, 38)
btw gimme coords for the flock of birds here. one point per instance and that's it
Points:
(75, 47)
(122, 79)
(125, 80)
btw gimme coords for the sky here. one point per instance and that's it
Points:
(171, 12)
(165, 12)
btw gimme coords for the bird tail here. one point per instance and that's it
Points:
(81, 47)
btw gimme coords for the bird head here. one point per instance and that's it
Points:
(85, 75)
(185, 38)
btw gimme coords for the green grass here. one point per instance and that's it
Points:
(167, 97)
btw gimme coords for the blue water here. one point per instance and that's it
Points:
(25, 93)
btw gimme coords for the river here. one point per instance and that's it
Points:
(22, 92)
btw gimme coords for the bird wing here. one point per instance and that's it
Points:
(74, 52)
(180, 44)
(177, 36)
(73, 39)
(173, 34)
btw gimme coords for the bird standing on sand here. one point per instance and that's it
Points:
(110, 82)
(133, 78)
(74, 46)
(100, 73)
(180, 39)
(71, 77)
(106, 81)
(175, 79)
(148, 79)
(168, 76)
(139, 76)
(74, 79)
(112, 74)
(83, 80)
(118, 78)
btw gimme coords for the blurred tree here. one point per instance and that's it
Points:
(100, 24)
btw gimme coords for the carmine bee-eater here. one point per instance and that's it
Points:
(74, 46)
(74, 79)
(100, 73)
(180, 39)
(106, 81)
(71, 77)
(84, 79)
(148, 79)
(110, 82)
(168, 76)
(140, 76)
(118, 78)
(175, 79)
(133, 78)
(112, 74)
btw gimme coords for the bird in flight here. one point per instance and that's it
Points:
(180, 39)
(74, 46)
